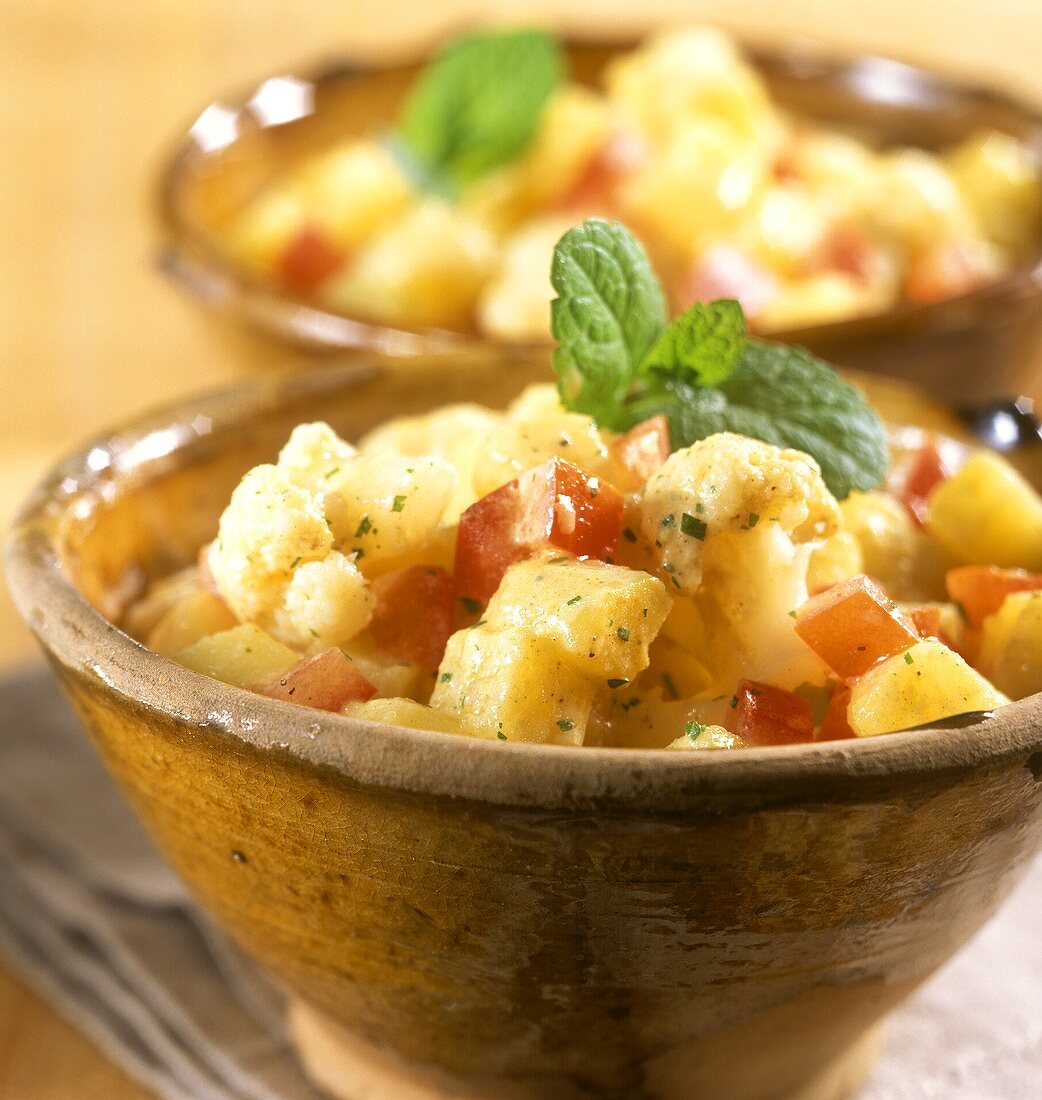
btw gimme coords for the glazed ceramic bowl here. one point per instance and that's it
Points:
(514, 919)
(970, 348)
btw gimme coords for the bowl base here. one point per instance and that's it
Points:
(348, 1067)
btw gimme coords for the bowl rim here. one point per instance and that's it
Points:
(192, 260)
(548, 777)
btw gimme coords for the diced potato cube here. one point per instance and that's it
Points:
(512, 685)
(243, 656)
(390, 676)
(894, 551)
(1011, 645)
(407, 713)
(999, 179)
(143, 615)
(425, 270)
(674, 670)
(988, 514)
(187, 621)
(836, 559)
(381, 507)
(599, 618)
(699, 738)
(455, 433)
(266, 226)
(914, 197)
(819, 299)
(924, 684)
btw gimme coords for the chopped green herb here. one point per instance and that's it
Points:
(793, 614)
(295, 562)
(668, 521)
(364, 527)
(565, 724)
(616, 683)
(693, 527)
(754, 519)
(446, 677)
(574, 599)
(629, 535)
(314, 633)
(480, 622)
(472, 607)
(694, 730)
(330, 473)
(909, 659)
(734, 702)
(671, 688)
(623, 633)
(501, 735)
(399, 502)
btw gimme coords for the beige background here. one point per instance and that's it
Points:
(91, 95)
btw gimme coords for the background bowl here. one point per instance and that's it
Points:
(539, 920)
(969, 348)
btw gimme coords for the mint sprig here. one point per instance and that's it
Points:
(476, 107)
(620, 362)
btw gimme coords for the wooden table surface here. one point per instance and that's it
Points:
(90, 96)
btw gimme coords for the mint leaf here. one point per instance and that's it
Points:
(608, 313)
(787, 397)
(476, 106)
(702, 345)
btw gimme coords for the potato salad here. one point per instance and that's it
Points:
(449, 221)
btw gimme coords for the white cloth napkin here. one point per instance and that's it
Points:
(93, 919)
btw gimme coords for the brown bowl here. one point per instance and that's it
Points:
(522, 919)
(969, 348)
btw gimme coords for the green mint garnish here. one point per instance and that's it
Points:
(476, 107)
(620, 362)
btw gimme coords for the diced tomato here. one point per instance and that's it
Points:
(925, 471)
(308, 260)
(414, 614)
(768, 715)
(328, 681)
(854, 625)
(643, 449)
(556, 504)
(487, 543)
(980, 589)
(724, 271)
(834, 726)
(848, 249)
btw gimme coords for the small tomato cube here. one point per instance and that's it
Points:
(853, 625)
(768, 715)
(980, 589)
(928, 623)
(414, 614)
(487, 543)
(643, 449)
(308, 260)
(926, 470)
(834, 726)
(556, 504)
(568, 508)
(328, 681)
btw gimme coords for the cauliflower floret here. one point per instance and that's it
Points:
(269, 528)
(729, 484)
(733, 522)
(456, 433)
(326, 603)
(313, 454)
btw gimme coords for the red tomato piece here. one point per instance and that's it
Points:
(854, 625)
(643, 449)
(768, 715)
(308, 260)
(945, 271)
(980, 589)
(594, 187)
(556, 504)
(925, 471)
(328, 681)
(487, 543)
(834, 726)
(848, 249)
(414, 614)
